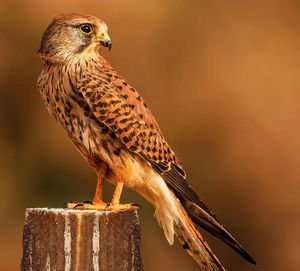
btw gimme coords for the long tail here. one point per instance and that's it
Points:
(213, 226)
(193, 242)
(196, 211)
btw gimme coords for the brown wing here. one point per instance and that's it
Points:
(116, 104)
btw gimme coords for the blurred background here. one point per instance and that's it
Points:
(222, 79)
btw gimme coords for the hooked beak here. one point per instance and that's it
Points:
(105, 40)
(106, 44)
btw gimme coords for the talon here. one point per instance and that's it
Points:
(106, 207)
(88, 201)
(135, 205)
(78, 205)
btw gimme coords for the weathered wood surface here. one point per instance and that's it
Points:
(67, 240)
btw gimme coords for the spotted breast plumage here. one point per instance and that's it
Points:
(112, 127)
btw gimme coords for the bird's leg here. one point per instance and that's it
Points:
(99, 191)
(117, 194)
(115, 202)
(99, 205)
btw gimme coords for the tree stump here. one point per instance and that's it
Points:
(69, 240)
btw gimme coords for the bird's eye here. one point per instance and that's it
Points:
(86, 29)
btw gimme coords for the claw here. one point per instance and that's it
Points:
(135, 205)
(78, 205)
(88, 201)
(106, 207)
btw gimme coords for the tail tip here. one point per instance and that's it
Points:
(249, 258)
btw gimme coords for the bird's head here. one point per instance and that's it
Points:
(73, 36)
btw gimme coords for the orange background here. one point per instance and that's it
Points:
(222, 79)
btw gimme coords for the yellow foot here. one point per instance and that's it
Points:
(88, 205)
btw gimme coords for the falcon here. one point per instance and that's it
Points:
(111, 126)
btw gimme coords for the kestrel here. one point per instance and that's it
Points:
(112, 127)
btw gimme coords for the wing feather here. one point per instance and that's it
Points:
(117, 105)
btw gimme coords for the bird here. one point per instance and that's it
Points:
(111, 126)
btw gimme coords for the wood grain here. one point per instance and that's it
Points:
(61, 239)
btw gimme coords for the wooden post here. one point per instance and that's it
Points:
(69, 240)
